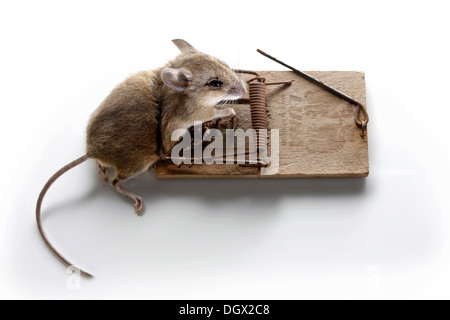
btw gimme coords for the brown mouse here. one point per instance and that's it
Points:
(130, 130)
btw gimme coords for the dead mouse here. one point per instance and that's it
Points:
(136, 121)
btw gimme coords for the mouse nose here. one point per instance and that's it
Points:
(238, 90)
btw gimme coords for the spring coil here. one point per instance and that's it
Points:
(257, 95)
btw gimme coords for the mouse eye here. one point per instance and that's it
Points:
(215, 83)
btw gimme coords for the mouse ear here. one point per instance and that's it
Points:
(177, 79)
(184, 46)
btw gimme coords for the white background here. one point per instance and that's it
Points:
(381, 237)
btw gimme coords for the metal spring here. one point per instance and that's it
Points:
(257, 94)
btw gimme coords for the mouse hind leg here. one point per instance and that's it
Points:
(126, 173)
(103, 171)
(138, 200)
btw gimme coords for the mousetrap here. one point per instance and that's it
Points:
(321, 123)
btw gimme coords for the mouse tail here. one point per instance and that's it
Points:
(39, 204)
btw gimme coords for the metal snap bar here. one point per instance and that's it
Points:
(361, 123)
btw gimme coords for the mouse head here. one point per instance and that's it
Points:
(202, 77)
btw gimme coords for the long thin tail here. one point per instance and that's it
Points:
(39, 204)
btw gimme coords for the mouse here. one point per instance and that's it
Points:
(132, 128)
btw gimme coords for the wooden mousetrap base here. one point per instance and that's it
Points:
(318, 135)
